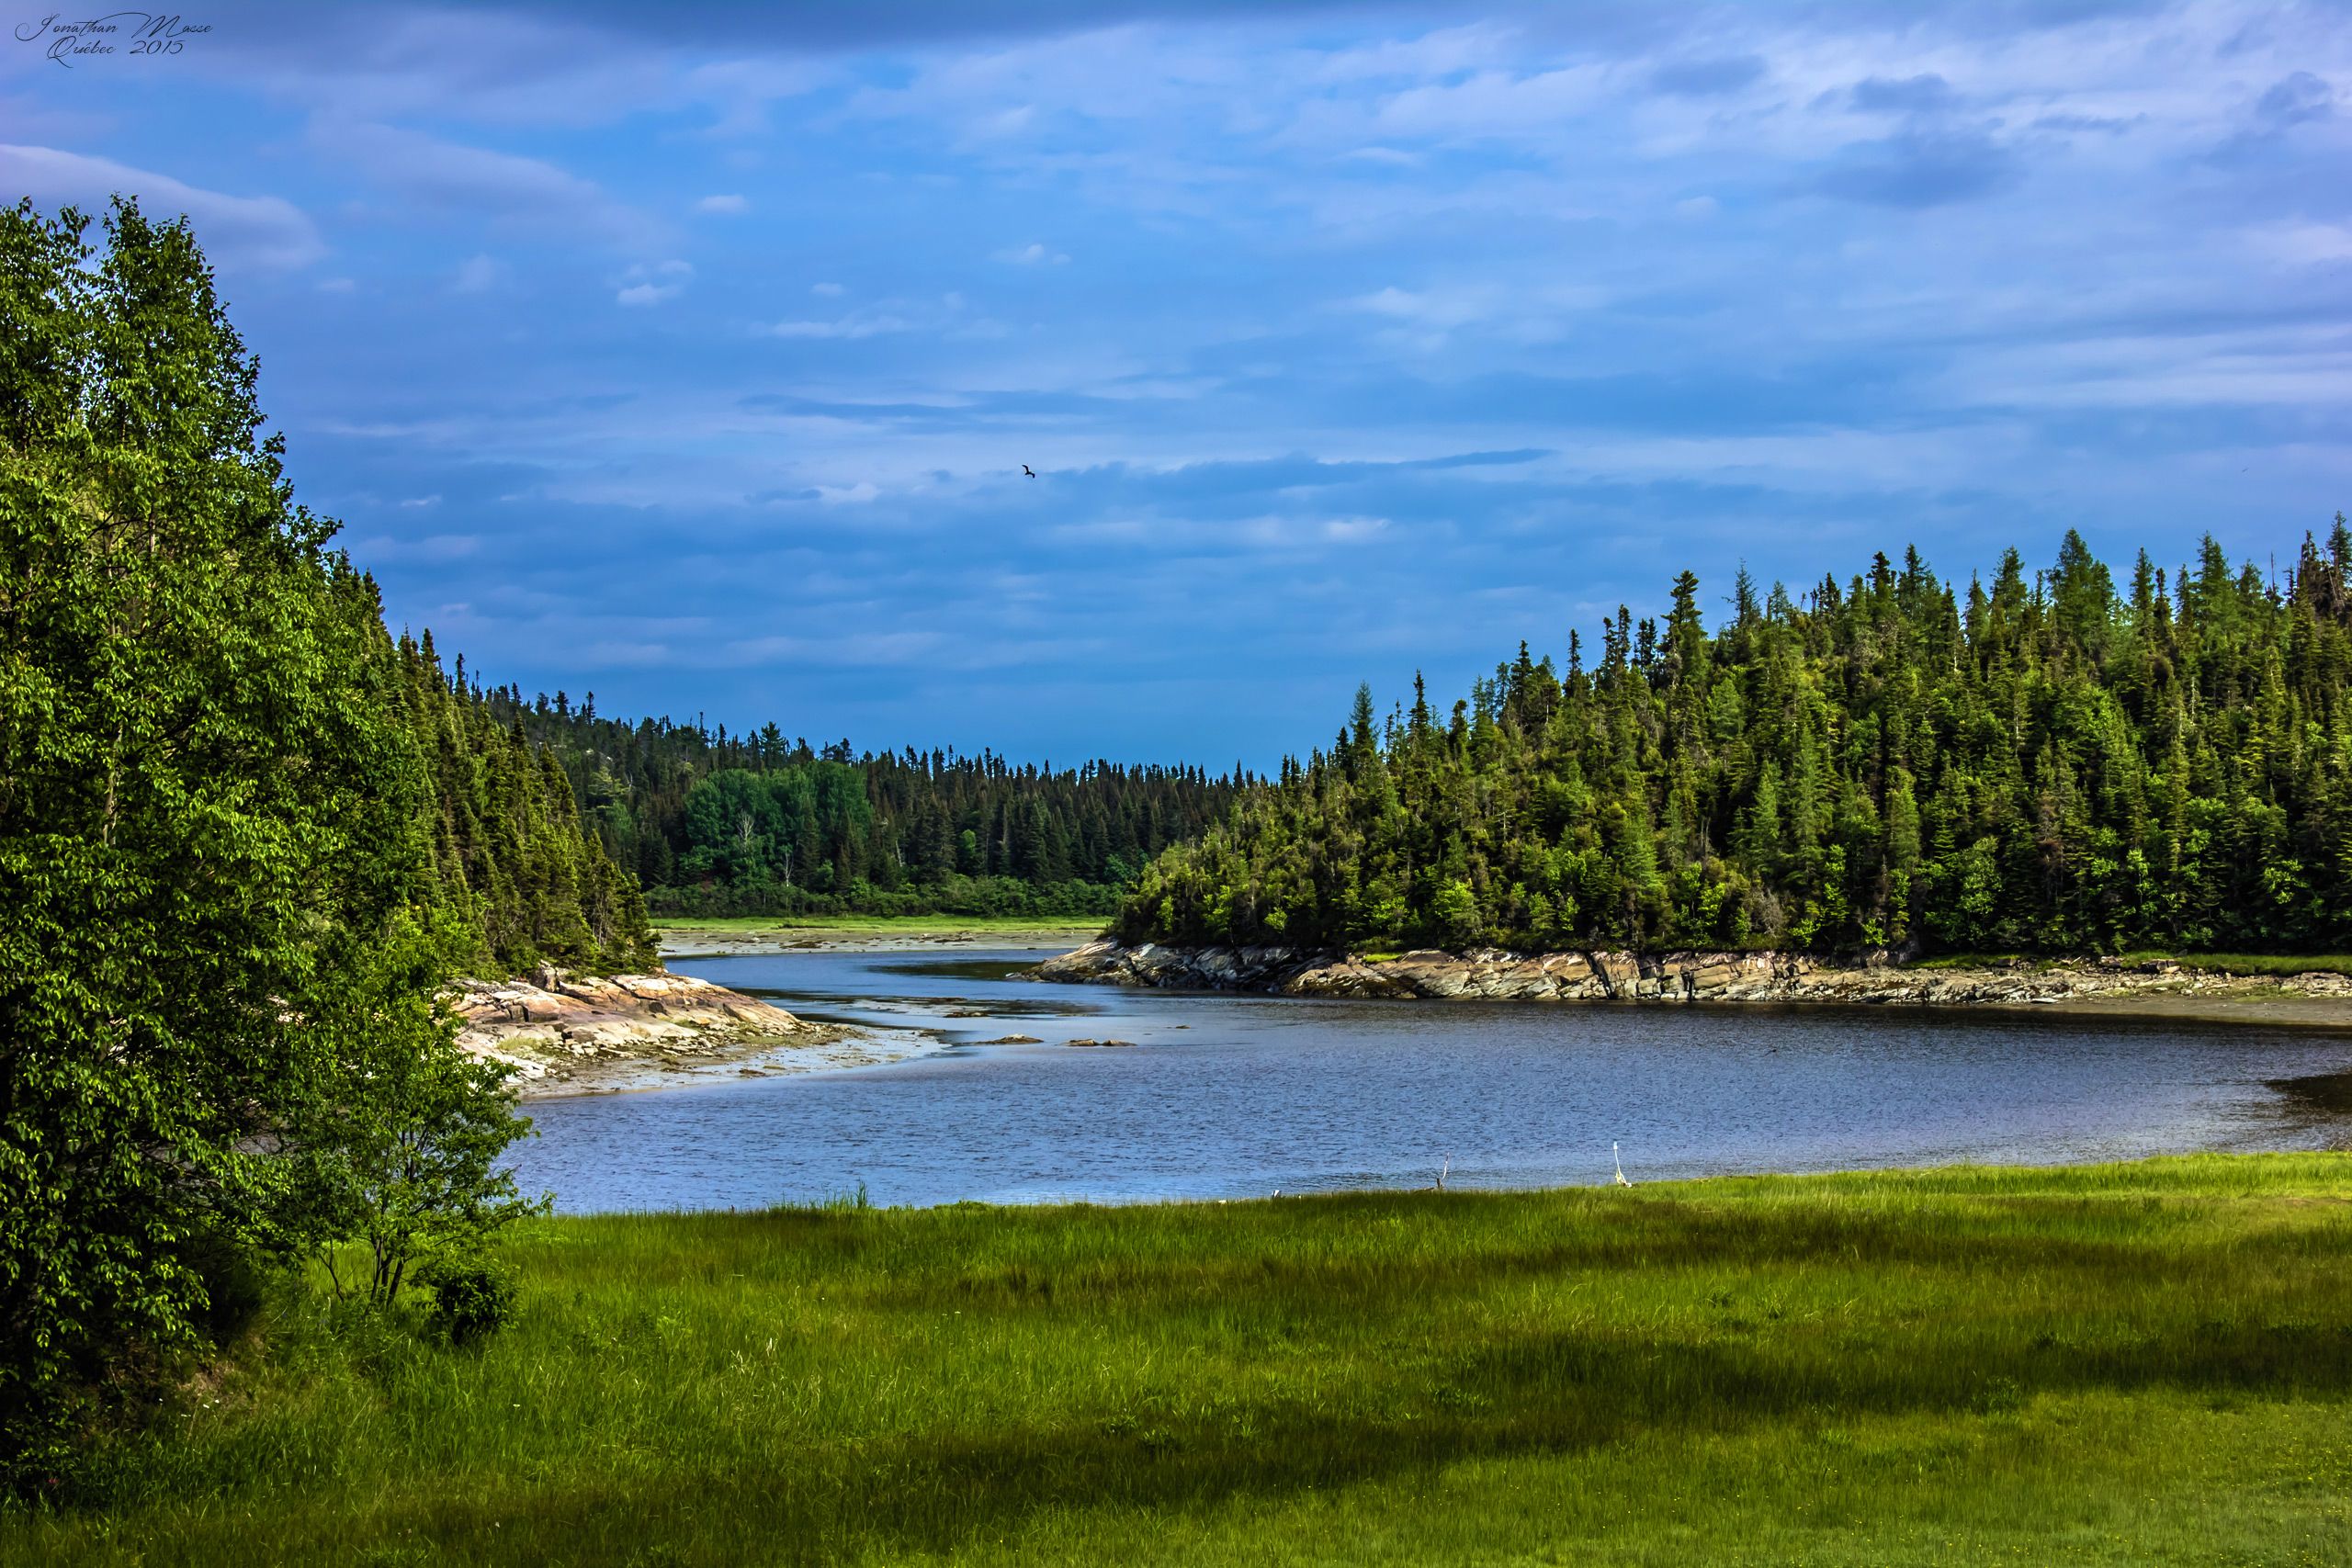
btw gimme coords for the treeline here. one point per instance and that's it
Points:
(508, 860)
(763, 823)
(2042, 762)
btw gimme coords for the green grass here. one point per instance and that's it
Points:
(2223, 962)
(2250, 962)
(2121, 1364)
(790, 927)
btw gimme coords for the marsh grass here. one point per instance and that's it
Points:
(2222, 963)
(2251, 963)
(845, 926)
(2146, 1362)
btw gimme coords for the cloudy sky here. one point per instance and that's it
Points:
(691, 356)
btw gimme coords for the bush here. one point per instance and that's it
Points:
(470, 1300)
(234, 1277)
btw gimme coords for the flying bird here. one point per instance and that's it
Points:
(1030, 472)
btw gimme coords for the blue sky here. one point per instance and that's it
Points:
(689, 354)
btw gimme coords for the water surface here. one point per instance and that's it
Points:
(1240, 1096)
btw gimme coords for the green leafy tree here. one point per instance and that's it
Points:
(207, 812)
(244, 840)
(397, 1142)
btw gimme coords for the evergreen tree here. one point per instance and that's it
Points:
(2055, 767)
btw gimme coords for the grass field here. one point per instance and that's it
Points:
(878, 925)
(2224, 963)
(2139, 1364)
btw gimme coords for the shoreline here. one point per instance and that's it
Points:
(568, 1034)
(819, 1048)
(689, 943)
(2317, 1000)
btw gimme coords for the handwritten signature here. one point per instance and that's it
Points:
(117, 32)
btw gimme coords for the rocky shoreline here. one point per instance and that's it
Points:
(1492, 975)
(568, 1034)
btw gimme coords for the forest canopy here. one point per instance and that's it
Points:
(761, 823)
(2046, 762)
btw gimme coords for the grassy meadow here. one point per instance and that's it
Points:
(2241, 964)
(2134, 1363)
(678, 928)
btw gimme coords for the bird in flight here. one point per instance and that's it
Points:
(1030, 472)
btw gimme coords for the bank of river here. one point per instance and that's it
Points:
(1235, 1094)
(2112, 987)
(750, 938)
(564, 1034)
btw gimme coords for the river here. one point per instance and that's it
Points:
(1240, 1095)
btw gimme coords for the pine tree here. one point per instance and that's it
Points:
(2051, 766)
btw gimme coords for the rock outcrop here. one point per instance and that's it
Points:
(1493, 974)
(551, 1023)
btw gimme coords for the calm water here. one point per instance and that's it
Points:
(1228, 1096)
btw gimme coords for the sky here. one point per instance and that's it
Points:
(690, 354)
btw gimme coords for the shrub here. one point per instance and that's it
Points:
(471, 1299)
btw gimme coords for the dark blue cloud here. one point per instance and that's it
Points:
(1921, 169)
(2293, 100)
(2109, 124)
(1924, 94)
(1708, 78)
(690, 354)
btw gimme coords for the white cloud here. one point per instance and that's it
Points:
(1274, 531)
(2289, 367)
(432, 549)
(1431, 309)
(742, 89)
(502, 67)
(2304, 244)
(644, 284)
(890, 649)
(1493, 104)
(1031, 255)
(829, 291)
(724, 206)
(1441, 308)
(263, 229)
(503, 188)
(862, 323)
(477, 274)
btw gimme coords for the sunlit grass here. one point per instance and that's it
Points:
(2250, 962)
(2222, 963)
(2135, 1363)
(819, 928)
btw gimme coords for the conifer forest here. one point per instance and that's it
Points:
(2050, 761)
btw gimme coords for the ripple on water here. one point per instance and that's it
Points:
(1235, 1096)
